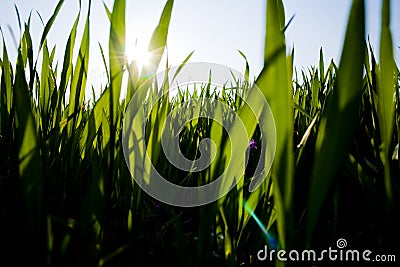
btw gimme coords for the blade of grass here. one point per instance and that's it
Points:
(29, 165)
(273, 81)
(158, 41)
(341, 113)
(49, 24)
(29, 48)
(117, 61)
(321, 67)
(67, 63)
(44, 90)
(116, 56)
(182, 65)
(109, 14)
(247, 70)
(6, 84)
(386, 93)
(18, 17)
(78, 83)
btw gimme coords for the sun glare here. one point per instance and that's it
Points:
(139, 54)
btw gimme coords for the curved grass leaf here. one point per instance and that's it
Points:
(49, 24)
(18, 16)
(247, 70)
(182, 65)
(109, 14)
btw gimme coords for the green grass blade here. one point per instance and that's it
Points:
(23, 46)
(78, 83)
(18, 16)
(67, 63)
(44, 90)
(104, 63)
(29, 47)
(247, 70)
(386, 92)
(29, 166)
(92, 126)
(158, 41)
(341, 113)
(273, 81)
(117, 61)
(116, 55)
(182, 65)
(321, 67)
(49, 24)
(109, 14)
(5, 86)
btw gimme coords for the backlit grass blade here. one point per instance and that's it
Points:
(273, 81)
(133, 81)
(104, 63)
(25, 45)
(117, 61)
(109, 14)
(67, 63)
(315, 92)
(97, 116)
(116, 55)
(227, 238)
(78, 82)
(386, 92)
(321, 67)
(339, 119)
(44, 90)
(6, 95)
(29, 165)
(49, 24)
(182, 65)
(307, 132)
(158, 41)
(18, 16)
(156, 118)
(247, 70)
(27, 39)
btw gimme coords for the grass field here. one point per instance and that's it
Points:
(67, 197)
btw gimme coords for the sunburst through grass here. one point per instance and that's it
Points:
(138, 54)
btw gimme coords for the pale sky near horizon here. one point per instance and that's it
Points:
(215, 29)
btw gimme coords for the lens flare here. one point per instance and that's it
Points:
(272, 242)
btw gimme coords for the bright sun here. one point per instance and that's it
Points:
(139, 54)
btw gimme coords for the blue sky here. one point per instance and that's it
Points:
(215, 29)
